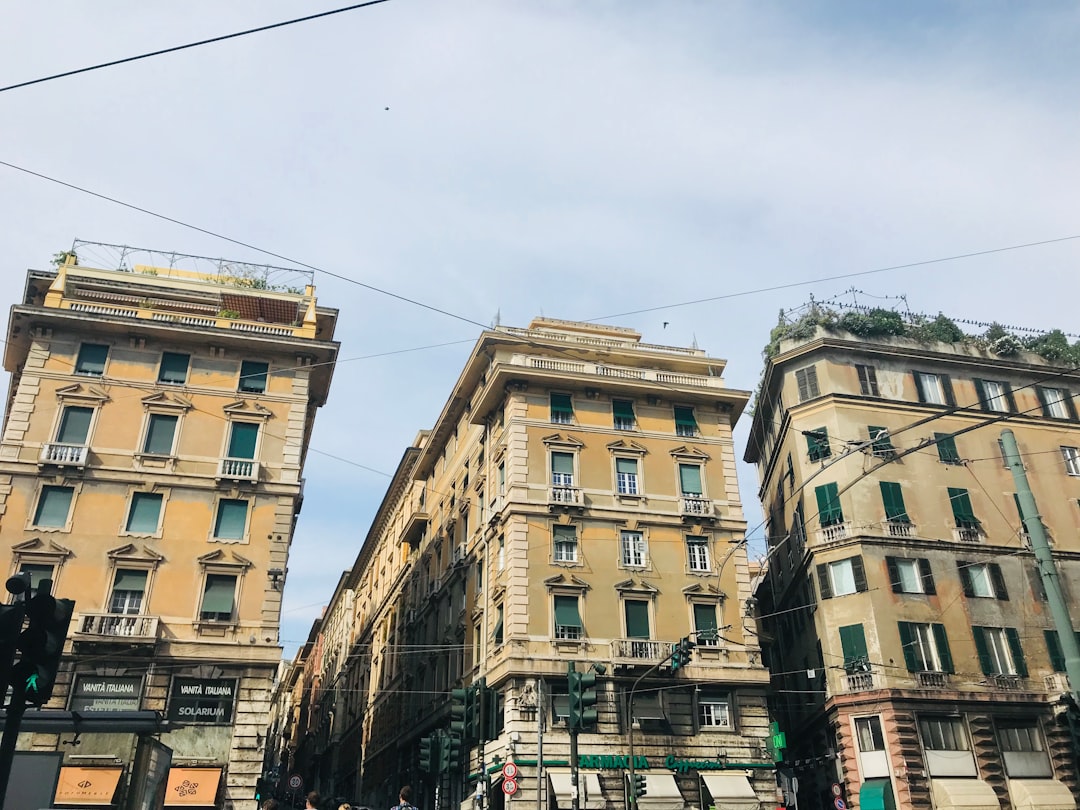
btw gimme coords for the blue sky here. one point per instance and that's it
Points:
(565, 158)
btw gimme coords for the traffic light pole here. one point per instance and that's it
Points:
(630, 719)
(575, 798)
(12, 723)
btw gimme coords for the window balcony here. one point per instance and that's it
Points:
(968, 534)
(1058, 682)
(631, 651)
(898, 528)
(73, 455)
(695, 505)
(106, 626)
(931, 680)
(238, 469)
(836, 531)
(1008, 683)
(571, 496)
(863, 681)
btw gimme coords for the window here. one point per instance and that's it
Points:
(500, 554)
(636, 614)
(219, 595)
(935, 389)
(231, 520)
(999, 651)
(868, 386)
(144, 514)
(946, 448)
(243, 437)
(926, 647)
(253, 375)
(714, 711)
(817, 444)
(37, 572)
(623, 412)
(160, 432)
(961, 509)
(868, 733)
(882, 444)
(500, 478)
(995, 396)
(1053, 647)
(982, 580)
(53, 507)
(806, 379)
(74, 425)
(853, 646)
(633, 549)
(562, 409)
(568, 625)
(943, 734)
(565, 542)
(685, 423)
(841, 577)
(892, 498)
(910, 575)
(562, 469)
(1022, 748)
(697, 552)
(91, 359)
(690, 480)
(1057, 403)
(705, 625)
(828, 503)
(127, 591)
(626, 476)
(790, 473)
(1071, 455)
(497, 635)
(174, 368)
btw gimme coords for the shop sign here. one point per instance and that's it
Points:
(94, 693)
(202, 700)
(671, 762)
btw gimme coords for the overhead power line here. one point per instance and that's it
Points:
(176, 48)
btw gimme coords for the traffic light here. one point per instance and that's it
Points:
(452, 754)
(42, 643)
(263, 789)
(581, 687)
(681, 653)
(639, 787)
(489, 728)
(462, 721)
(429, 754)
(11, 622)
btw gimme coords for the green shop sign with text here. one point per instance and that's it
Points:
(614, 762)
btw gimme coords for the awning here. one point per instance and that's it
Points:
(963, 794)
(661, 792)
(729, 791)
(876, 794)
(192, 787)
(87, 786)
(589, 784)
(1040, 794)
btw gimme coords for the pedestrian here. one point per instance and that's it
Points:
(312, 801)
(271, 804)
(403, 799)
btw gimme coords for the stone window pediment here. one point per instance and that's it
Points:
(130, 554)
(567, 441)
(38, 548)
(78, 392)
(225, 563)
(564, 583)
(632, 586)
(702, 593)
(244, 409)
(689, 454)
(163, 401)
(624, 446)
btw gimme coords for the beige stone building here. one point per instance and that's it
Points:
(575, 503)
(913, 653)
(151, 466)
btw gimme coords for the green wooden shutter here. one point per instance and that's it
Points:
(817, 444)
(560, 404)
(853, 644)
(828, 501)
(159, 434)
(998, 581)
(684, 418)
(893, 499)
(1009, 398)
(907, 644)
(497, 634)
(637, 618)
(824, 583)
(566, 612)
(622, 408)
(253, 376)
(231, 519)
(894, 574)
(963, 569)
(75, 425)
(53, 506)
(858, 573)
(1070, 403)
(927, 576)
(919, 390)
(983, 651)
(690, 479)
(242, 440)
(980, 393)
(144, 514)
(941, 641)
(882, 441)
(1013, 637)
(129, 580)
(946, 387)
(705, 622)
(174, 367)
(946, 448)
(562, 463)
(1053, 646)
(218, 595)
(91, 359)
(961, 507)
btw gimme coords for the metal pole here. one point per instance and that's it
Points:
(481, 733)
(541, 719)
(575, 800)
(11, 734)
(1044, 560)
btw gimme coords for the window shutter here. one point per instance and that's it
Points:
(622, 408)
(91, 359)
(54, 503)
(566, 611)
(817, 444)
(858, 573)
(1019, 511)
(961, 507)
(894, 573)
(828, 502)
(1053, 646)
(1017, 651)
(941, 641)
(1043, 401)
(999, 582)
(684, 417)
(705, 622)
(159, 434)
(130, 580)
(882, 441)
(983, 651)
(1009, 398)
(218, 594)
(626, 465)
(919, 390)
(980, 393)
(824, 585)
(853, 644)
(907, 643)
(145, 511)
(965, 577)
(75, 425)
(231, 519)
(242, 440)
(253, 376)
(562, 463)
(560, 403)
(1070, 403)
(893, 499)
(690, 479)
(946, 448)
(1037, 587)
(946, 387)
(927, 576)
(174, 367)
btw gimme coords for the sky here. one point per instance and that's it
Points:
(579, 160)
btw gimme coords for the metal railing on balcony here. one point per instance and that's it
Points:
(695, 505)
(835, 531)
(931, 680)
(240, 469)
(57, 453)
(898, 528)
(119, 625)
(567, 495)
(639, 649)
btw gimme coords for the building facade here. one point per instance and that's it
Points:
(575, 503)
(153, 445)
(913, 653)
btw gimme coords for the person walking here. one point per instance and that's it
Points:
(312, 801)
(403, 799)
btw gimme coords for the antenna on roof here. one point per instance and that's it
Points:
(497, 320)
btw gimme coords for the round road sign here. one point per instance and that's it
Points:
(837, 791)
(296, 781)
(509, 787)
(510, 770)
(839, 804)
